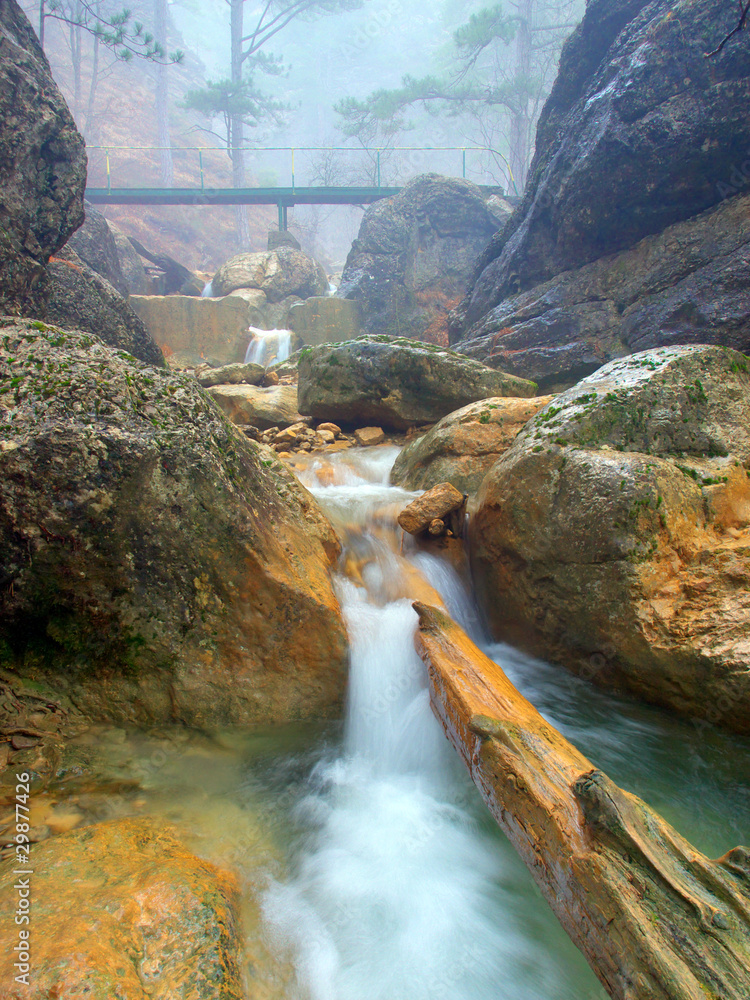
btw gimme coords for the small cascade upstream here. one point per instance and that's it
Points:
(267, 347)
(399, 891)
(208, 290)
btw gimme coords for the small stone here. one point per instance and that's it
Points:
(270, 378)
(366, 437)
(326, 436)
(333, 428)
(436, 527)
(436, 503)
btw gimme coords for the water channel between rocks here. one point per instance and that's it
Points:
(372, 870)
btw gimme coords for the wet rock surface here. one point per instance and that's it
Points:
(154, 919)
(689, 284)
(462, 447)
(42, 166)
(641, 132)
(158, 565)
(414, 256)
(393, 382)
(612, 536)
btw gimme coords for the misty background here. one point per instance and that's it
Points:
(351, 76)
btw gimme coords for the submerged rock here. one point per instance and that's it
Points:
(394, 382)
(124, 909)
(614, 535)
(156, 564)
(82, 299)
(463, 446)
(414, 255)
(42, 165)
(261, 407)
(278, 273)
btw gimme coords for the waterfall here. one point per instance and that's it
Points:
(400, 892)
(208, 290)
(267, 347)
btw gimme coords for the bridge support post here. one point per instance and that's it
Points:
(282, 217)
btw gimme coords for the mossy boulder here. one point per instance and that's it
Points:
(156, 564)
(394, 382)
(614, 535)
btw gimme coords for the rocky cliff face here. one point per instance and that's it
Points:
(641, 133)
(156, 564)
(413, 257)
(42, 166)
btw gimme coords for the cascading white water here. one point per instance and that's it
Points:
(268, 346)
(208, 290)
(398, 893)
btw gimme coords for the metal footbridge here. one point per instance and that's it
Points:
(420, 158)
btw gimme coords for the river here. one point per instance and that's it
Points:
(372, 869)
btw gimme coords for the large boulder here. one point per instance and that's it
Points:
(325, 320)
(256, 406)
(462, 447)
(278, 273)
(156, 564)
(414, 256)
(614, 535)
(95, 245)
(689, 284)
(215, 329)
(394, 382)
(122, 909)
(42, 165)
(641, 131)
(79, 297)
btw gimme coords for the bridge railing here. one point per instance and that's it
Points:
(202, 168)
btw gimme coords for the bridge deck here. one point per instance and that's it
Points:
(283, 197)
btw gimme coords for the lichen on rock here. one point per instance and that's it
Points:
(157, 565)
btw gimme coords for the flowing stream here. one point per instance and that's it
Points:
(372, 870)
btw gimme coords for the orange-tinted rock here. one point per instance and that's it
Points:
(614, 535)
(123, 910)
(462, 447)
(366, 437)
(436, 503)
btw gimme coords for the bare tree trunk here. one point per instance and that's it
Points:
(519, 122)
(162, 97)
(236, 125)
(75, 54)
(42, 17)
(655, 918)
(89, 127)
